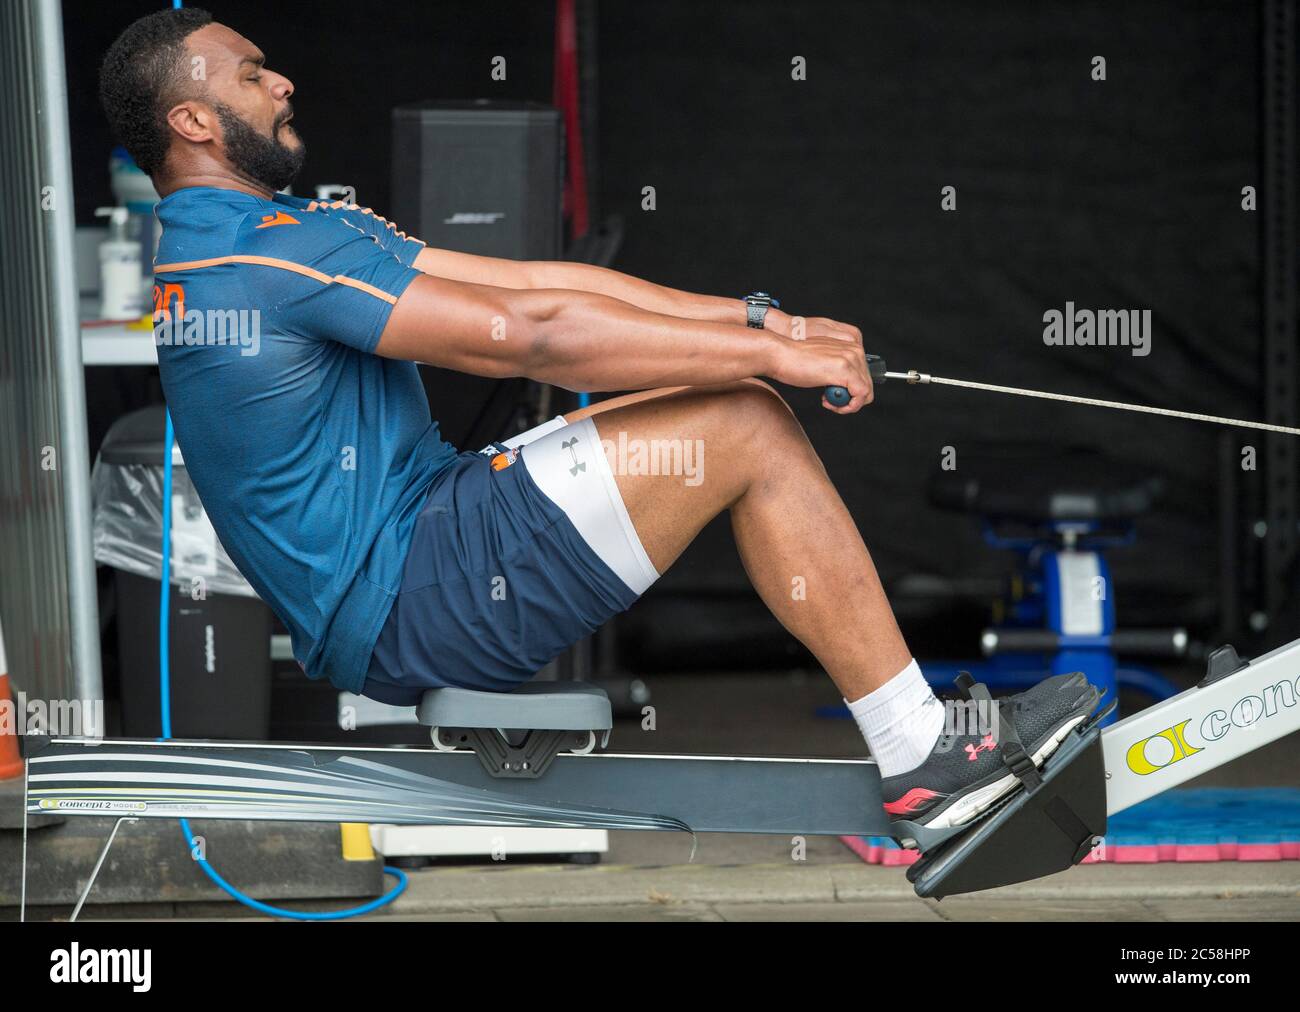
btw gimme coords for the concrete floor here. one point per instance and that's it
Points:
(824, 891)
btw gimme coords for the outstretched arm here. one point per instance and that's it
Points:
(587, 341)
(534, 274)
(579, 278)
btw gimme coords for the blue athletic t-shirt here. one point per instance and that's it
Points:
(311, 454)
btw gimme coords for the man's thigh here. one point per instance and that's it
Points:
(681, 455)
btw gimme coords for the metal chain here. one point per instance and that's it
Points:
(914, 377)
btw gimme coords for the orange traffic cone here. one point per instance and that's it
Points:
(11, 764)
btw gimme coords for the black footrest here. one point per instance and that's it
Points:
(1034, 833)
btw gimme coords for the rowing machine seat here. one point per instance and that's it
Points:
(518, 734)
(534, 706)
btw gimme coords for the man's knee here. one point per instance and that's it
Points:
(764, 402)
(754, 381)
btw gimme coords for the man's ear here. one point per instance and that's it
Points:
(194, 121)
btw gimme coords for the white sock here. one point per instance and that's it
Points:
(901, 721)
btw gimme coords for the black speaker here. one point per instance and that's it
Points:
(482, 177)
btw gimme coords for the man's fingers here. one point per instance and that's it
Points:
(822, 327)
(861, 393)
(852, 332)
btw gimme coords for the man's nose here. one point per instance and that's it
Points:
(281, 87)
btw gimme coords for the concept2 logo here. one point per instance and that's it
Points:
(1160, 750)
(1186, 738)
(76, 804)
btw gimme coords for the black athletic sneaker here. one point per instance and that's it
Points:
(964, 776)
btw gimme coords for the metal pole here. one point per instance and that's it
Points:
(74, 454)
(94, 874)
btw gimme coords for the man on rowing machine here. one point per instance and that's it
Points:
(399, 564)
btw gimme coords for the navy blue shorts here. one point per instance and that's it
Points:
(519, 552)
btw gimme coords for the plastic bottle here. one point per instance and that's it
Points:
(134, 190)
(120, 279)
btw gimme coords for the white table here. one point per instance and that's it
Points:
(116, 345)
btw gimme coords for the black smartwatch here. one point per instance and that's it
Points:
(756, 306)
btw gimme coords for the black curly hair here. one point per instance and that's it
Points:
(143, 76)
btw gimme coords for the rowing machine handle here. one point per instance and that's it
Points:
(839, 396)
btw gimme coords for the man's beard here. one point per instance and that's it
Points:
(263, 159)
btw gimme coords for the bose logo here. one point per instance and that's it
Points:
(474, 218)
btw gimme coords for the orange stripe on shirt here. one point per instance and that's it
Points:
(285, 265)
(365, 210)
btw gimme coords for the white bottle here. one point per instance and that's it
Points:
(120, 280)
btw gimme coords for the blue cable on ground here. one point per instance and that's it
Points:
(297, 915)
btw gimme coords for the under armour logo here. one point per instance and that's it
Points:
(987, 744)
(578, 465)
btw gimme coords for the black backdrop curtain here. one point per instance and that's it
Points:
(1115, 194)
